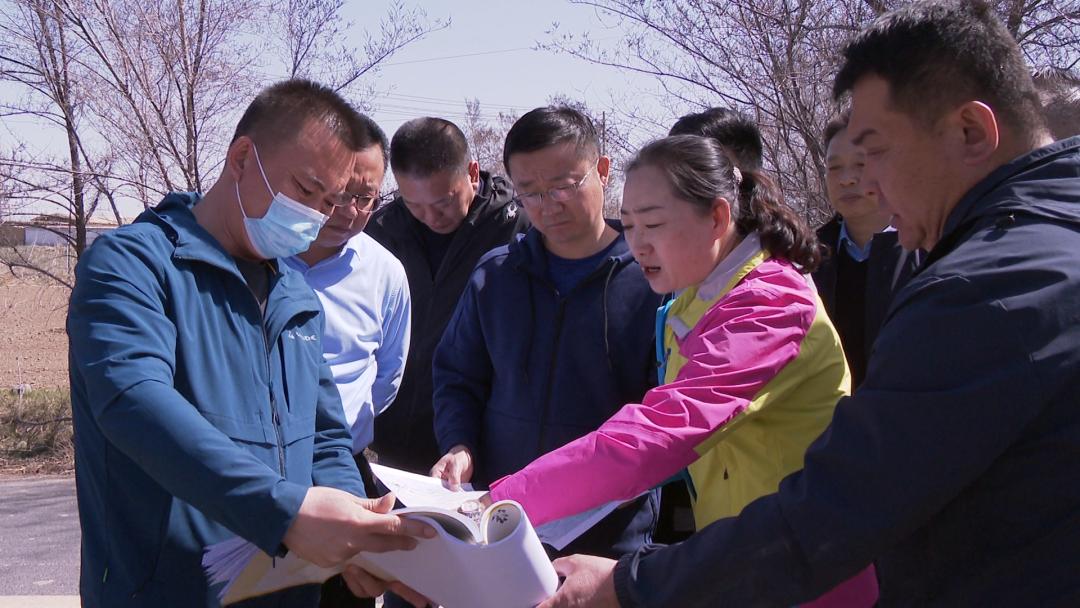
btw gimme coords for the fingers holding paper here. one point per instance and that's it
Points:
(383, 532)
(332, 526)
(364, 584)
(455, 467)
(589, 583)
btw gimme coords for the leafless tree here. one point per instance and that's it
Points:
(145, 92)
(486, 136)
(39, 54)
(774, 60)
(1048, 31)
(317, 43)
(1060, 93)
(162, 78)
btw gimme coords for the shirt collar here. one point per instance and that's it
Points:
(859, 254)
(348, 250)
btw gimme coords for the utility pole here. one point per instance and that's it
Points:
(603, 133)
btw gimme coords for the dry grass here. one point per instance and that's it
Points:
(33, 343)
(35, 432)
(17, 265)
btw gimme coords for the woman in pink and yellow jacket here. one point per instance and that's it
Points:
(751, 366)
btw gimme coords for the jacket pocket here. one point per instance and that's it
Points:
(243, 430)
(296, 428)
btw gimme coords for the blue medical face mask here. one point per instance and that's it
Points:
(288, 228)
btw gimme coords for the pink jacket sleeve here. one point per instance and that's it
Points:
(749, 336)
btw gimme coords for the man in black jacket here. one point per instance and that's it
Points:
(733, 130)
(865, 264)
(448, 213)
(955, 464)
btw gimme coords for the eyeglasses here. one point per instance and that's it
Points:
(361, 202)
(559, 194)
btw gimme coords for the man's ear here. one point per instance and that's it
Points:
(603, 168)
(979, 133)
(474, 172)
(236, 157)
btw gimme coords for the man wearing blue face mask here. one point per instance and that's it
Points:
(202, 405)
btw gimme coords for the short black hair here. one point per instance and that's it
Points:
(425, 146)
(732, 130)
(938, 54)
(549, 126)
(282, 109)
(837, 123)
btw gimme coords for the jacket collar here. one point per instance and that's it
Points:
(977, 200)
(192, 242)
(529, 253)
(731, 269)
(691, 303)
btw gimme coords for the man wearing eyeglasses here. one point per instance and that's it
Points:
(365, 297)
(448, 213)
(554, 332)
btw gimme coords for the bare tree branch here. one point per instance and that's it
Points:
(775, 60)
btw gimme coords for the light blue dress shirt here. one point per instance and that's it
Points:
(859, 254)
(365, 295)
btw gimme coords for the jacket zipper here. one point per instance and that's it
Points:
(559, 314)
(275, 416)
(273, 402)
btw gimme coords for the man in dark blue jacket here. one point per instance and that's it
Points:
(554, 332)
(202, 405)
(955, 464)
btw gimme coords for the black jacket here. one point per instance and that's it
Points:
(957, 463)
(404, 436)
(887, 269)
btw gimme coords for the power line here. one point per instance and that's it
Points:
(447, 57)
(443, 100)
(455, 107)
(458, 110)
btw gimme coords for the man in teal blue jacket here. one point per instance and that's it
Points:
(202, 405)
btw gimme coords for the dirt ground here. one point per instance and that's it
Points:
(33, 345)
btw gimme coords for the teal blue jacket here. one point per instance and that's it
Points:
(196, 417)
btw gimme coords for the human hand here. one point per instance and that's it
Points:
(365, 584)
(590, 583)
(333, 525)
(455, 467)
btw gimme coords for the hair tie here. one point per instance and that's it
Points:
(736, 176)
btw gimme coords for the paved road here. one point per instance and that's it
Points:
(39, 537)
(39, 543)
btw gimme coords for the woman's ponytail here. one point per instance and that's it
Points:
(782, 232)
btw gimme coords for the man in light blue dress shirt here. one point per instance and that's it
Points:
(365, 296)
